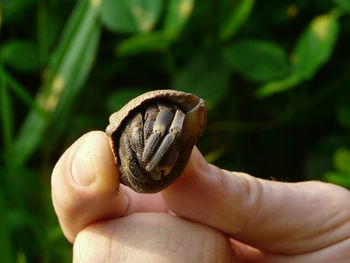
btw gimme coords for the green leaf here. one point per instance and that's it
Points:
(343, 116)
(342, 160)
(257, 60)
(156, 41)
(216, 154)
(68, 33)
(22, 55)
(6, 250)
(75, 70)
(278, 86)
(14, 9)
(339, 178)
(117, 99)
(19, 90)
(29, 137)
(312, 50)
(6, 115)
(200, 77)
(235, 15)
(177, 15)
(315, 46)
(117, 17)
(131, 16)
(344, 4)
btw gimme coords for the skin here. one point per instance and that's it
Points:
(207, 215)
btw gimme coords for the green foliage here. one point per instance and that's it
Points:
(6, 249)
(118, 98)
(341, 175)
(312, 50)
(344, 4)
(157, 41)
(257, 60)
(68, 70)
(343, 116)
(177, 14)
(275, 77)
(315, 45)
(6, 117)
(200, 77)
(22, 55)
(131, 16)
(234, 15)
(342, 160)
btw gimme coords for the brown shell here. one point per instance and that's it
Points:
(193, 128)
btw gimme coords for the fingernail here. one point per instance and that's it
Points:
(82, 170)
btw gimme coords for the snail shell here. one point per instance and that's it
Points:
(153, 135)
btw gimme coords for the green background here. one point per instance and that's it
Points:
(275, 76)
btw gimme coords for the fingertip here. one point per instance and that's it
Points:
(85, 184)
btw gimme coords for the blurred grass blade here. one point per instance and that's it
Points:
(6, 114)
(177, 15)
(20, 91)
(68, 71)
(29, 137)
(315, 46)
(235, 16)
(257, 60)
(76, 77)
(156, 41)
(70, 29)
(6, 250)
(23, 219)
(132, 16)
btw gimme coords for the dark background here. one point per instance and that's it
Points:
(275, 77)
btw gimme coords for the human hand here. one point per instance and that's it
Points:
(206, 215)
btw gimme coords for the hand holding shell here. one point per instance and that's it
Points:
(152, 137)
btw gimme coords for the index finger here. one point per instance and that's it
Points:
(269, 215)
